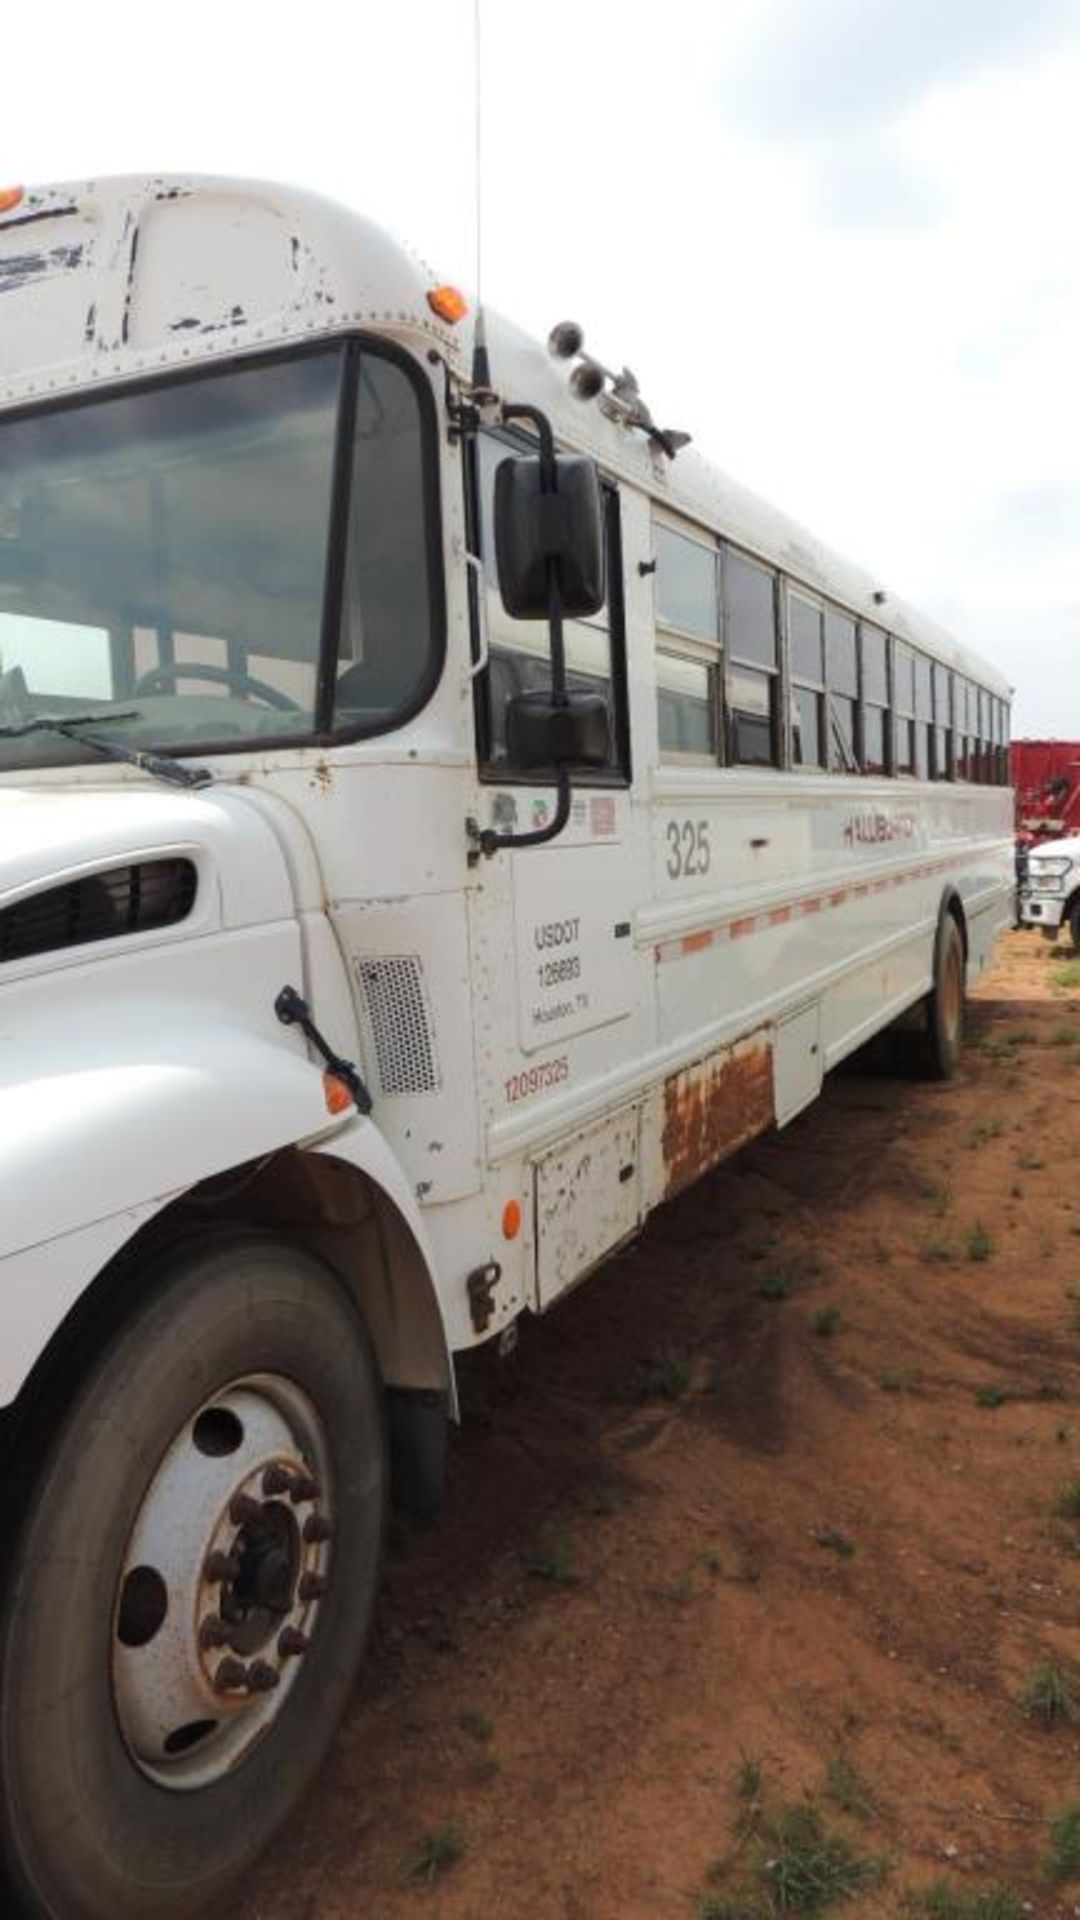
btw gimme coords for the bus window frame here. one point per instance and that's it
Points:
(683, 643)
(350, 347)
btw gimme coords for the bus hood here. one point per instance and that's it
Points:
(50, 837)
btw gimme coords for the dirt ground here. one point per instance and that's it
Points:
(768, 1514)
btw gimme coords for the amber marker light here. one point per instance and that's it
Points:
(448, 303)
(511, 1222)
(336, 1094)
(10, 197)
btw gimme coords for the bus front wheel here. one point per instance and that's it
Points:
(190, 1593)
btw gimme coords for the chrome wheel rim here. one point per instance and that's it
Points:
(223, 1580)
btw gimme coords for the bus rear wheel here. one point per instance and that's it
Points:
(191, 1592)
(1072, 918)
(939, 1044)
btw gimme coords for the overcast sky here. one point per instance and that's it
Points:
(837, 240)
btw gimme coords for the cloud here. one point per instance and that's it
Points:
(813, 68)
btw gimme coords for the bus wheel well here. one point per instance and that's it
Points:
(326, 1205)
(952, 904)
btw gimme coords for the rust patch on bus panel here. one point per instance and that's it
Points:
(714, 1107)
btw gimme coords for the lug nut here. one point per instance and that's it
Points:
(231, 1675)
(291, 1643)
(213, 1633)
(244, 1511)
(312, 1586)
(304, 1487)
(276, 1480)
(316, 1528)
(261, 1677)
(221, 1567)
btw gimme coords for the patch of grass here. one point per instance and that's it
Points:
(748, 1776)
(666, 1377)
(1050, 1695)
(716, 1906)
(937, 1253)
(991, 1397)
(809, 1868)
(555, 1562)
(1021, 1037)
(1067, 1504)
(897, 1379)
(942, 1902)
(678, 1592)
(980, 1243)
(848, 1790)
(436, 1851)
(778, 1285)
(712, 1560)
(1065, 1036)
(834, 1542)
(1030, 1162)
(826, 1322)
(1063, 1855)
(984, 1130)
(476, 1724)
(1067, 978)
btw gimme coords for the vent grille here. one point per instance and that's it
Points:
(102, 906)
(397, 1018)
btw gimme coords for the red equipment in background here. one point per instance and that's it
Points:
(1046, 778)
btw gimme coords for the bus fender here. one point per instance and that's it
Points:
(99, 1139)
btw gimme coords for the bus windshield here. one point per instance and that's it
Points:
(165, 554)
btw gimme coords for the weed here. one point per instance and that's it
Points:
(679, 1592)
(937, 1253)
(1063, 1859)
(1064, 1035)
(834, 1542)
(848, 1789)
(826, 1322)
(712, 1560)
(666, 1377)
(553, 1563)
(476, 1724)
(1021, 1037)
(1050, 1695)
(896, 1380)
(748, 1778)
(437, 1850)
(1030, 1162)
(980, 1244)
(942, 1902)
(1067, 978)
(1067, 1504)
(990, 1397)
(776, 1286)
(984, 1130)
(808, 1868)
(716, 1906)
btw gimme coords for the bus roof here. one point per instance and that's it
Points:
(117, 279)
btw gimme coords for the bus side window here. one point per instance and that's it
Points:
(904, 707)
(806, 653)
(875, 700)
(753, 670)
(941, 739)
(842, 698)
(688, 656)
(519, 657)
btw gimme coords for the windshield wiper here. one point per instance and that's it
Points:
(71, 727)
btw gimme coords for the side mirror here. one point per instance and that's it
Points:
(541, 731)
(533, 526)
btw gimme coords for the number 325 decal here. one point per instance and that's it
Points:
(688, 849)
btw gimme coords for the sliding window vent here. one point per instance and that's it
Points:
(103, 906)
(396, 1018)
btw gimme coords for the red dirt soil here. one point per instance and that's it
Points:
(776, 1488)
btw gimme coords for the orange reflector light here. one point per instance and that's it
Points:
(511, 1220)
(448, 303)
(10, 197)
(336, 1094)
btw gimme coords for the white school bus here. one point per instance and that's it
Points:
(440, 817)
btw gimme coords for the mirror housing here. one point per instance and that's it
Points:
(542, 731)
(534, 525)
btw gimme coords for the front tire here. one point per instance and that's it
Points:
(191, 1593)
(1073, 922)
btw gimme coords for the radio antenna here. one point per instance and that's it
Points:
(481, 368)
